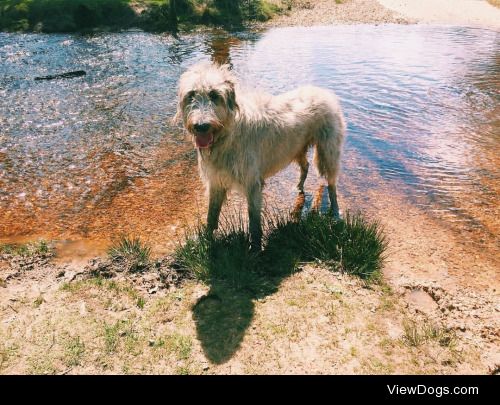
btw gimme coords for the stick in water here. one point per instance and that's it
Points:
(67, 75)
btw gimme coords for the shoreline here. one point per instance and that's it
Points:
(464, 13)
(325, 12)
(468, 13)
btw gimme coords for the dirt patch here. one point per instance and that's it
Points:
(472, 314)
(76, 321)
(160, 274)
(421, 300)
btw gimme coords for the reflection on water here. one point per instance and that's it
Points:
(93, 156)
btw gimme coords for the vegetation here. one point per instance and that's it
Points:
(39, 248)
(132, 252)
(352, 245)
(151, 15)
(416, 334)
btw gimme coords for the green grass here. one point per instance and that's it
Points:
(416, 334)
(227, 256)
(114, 333)
(140, 302)
(111, 337)
(38, 248)
(38, 301)
(74, 351)
(119, 288)
(130, 251)
(180, 345)
(352, 245)
(85, 15)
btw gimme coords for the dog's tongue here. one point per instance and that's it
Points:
(204, 140)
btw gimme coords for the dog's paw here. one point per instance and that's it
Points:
(338, 215)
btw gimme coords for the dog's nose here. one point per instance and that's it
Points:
(201, 127)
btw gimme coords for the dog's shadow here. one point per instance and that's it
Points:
(237, 279)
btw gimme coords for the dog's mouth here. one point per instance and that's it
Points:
(204, 140)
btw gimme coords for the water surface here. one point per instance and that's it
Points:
(90, 157)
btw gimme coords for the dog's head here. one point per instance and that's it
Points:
(207, 102)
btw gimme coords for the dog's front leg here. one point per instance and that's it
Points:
(216, 198)
(254, 198)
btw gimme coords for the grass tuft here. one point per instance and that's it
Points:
(132, 252)
(416, 334)
(38, 248)
(352, 245)
(227, 256)
(74, 351)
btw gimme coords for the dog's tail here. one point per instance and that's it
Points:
(329, 141)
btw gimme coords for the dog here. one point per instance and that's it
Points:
(243, 137)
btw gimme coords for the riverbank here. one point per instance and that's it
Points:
(327, 12)
(113, 15)
(470, 13)
(158, 16)
(102, 319)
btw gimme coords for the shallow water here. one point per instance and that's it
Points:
(90, 157)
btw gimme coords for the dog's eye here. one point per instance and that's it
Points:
(214, 96)
(190, 96)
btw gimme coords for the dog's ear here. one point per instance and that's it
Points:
(231, 96)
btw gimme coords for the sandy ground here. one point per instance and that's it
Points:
(475, 13)
(56, 321)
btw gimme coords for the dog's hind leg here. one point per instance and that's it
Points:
(334, 206)
(254, 198)
(217, 196)
(327, 159)
(304, 168)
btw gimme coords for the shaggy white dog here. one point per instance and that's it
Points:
(243, 137)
